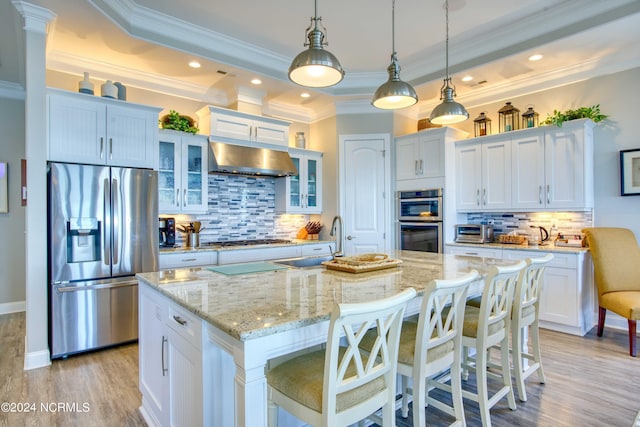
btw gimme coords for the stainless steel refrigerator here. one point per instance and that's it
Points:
(103, 229)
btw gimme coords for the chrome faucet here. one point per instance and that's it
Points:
(337, 219)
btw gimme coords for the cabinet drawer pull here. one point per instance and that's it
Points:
(164, 370)
(317, 249)
(179, 320)
(188, 259)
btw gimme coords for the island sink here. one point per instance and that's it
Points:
(312, 261)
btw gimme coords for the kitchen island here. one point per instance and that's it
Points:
(204, 334)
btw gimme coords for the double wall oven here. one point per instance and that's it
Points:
(419, 215)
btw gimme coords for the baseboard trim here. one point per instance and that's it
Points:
(13, 307)
(35, 359)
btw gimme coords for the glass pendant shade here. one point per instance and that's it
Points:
(394, 93)
(449, 111)
(315, 67)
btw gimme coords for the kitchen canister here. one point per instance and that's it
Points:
(300, 141)
(122, 91)
(109, 90)
(85, 85)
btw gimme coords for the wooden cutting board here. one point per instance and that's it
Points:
(361, 268)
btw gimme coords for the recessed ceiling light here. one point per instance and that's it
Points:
(305, 95)
(467, 78)
(536, 57)
(194, 64)
(256, 81)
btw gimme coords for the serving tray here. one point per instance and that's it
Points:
(363, 267)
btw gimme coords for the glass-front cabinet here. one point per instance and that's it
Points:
(182, 172)
(301, 193)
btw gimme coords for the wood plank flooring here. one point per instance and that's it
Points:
(591, 382)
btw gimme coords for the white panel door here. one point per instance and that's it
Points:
(365, 176)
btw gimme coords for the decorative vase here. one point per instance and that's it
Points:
(300, 141)
(109, 90)
(122, 91)
(85, 85)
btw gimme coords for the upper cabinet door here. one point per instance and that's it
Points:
(528, 172)
(468, 176)
(77, 130)
(301, 193)
(228, 126)
(408, 156)
(93, 130)
(496, 175)
(182, 176)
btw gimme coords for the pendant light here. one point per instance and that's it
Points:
(316, 67)
(449, 111)
(394, 93)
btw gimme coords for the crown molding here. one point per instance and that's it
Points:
(36, 18)
(73, 64)
(12, 91)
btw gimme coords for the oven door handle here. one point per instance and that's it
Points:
(423, 223)
(421, 199)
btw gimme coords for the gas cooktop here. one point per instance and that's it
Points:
(247, 242)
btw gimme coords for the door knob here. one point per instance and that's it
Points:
(350, 237)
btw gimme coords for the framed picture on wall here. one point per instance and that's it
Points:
(4, 189)
(630, 172)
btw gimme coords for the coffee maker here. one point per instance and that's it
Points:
(167, 229)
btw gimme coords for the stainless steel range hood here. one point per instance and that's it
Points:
(254, 161)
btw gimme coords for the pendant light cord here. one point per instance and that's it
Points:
(446, 14)
(393, 27)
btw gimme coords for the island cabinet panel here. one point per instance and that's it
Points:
(170, 351)
(94, 130)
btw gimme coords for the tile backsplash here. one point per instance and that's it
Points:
(565, 222)
(243, 208)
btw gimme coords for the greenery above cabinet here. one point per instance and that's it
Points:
(182, 172)
(301, 193)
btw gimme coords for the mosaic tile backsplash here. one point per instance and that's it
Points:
(565, 222)
(242, 208)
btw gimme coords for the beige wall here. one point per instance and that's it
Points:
(12, 224)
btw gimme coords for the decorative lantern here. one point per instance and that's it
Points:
(509, 118)
(529, 118)
(482, 125)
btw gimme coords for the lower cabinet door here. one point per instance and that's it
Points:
(185, 381)
(559, 299)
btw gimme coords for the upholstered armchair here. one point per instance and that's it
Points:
(616, 261)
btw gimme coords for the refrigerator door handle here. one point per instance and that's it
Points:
(106, 234)
(63, 289)
(116, 220)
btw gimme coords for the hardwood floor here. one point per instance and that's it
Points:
(93, 389)
(591, 382)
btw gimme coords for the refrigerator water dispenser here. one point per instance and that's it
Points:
(83, 240)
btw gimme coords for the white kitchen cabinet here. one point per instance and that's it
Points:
(187, 259)
(301, 193)
(170, 379)
(567, 301)
(483, 174)
(477, 250)
(234, 256)
(182, 172)
(553, 167)
(320, 249)
(227, 125)
(421, 156)
(94, 130)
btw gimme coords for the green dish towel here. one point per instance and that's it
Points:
(246, 268)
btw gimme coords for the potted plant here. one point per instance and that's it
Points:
(175, 121)
(559, 117)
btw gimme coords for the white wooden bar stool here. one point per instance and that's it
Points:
(525, 315)
(489, 326)
(344, 385)
(433, 346)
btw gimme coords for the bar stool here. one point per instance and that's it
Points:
(486, 327)
(343, 385)
(434, 345)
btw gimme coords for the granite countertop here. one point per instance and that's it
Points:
(542, 248)
(253, 305)
(205, 248)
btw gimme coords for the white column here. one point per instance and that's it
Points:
(36, 20)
